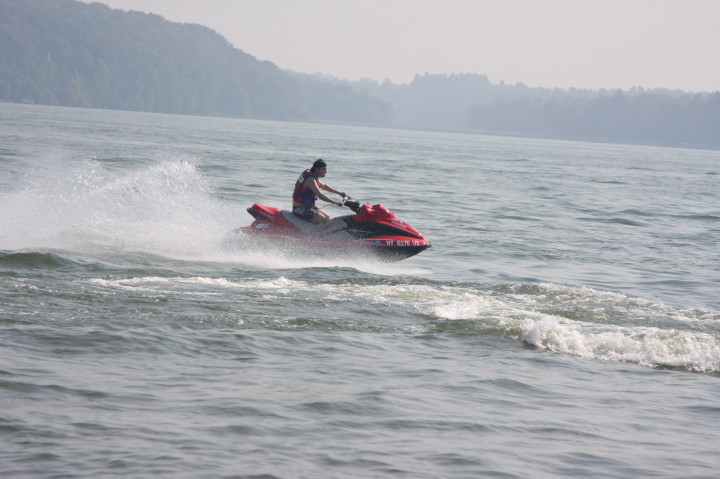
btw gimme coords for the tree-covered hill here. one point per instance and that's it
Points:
(64, 52)
(69, 53)
(471, 102)
(658, 118)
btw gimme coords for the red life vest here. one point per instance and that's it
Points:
(303, 195)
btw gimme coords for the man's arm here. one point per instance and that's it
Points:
(329, 188)
(313, 185)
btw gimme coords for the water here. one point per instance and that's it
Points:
(566, 322)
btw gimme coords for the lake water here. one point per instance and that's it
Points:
(565, 323)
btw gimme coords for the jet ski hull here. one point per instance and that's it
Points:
(372, 231)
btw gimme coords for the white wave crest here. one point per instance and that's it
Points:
(646, 346)
(579, 321)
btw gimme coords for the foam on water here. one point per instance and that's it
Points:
(646, 346)
(165, 207)
(587, 323)
(153, 283)
(165, 210)
(580, 322)
(577, 321)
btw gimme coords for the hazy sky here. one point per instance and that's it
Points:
(553, 43)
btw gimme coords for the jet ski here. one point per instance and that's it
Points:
(371, 229)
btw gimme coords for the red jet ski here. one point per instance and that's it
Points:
(372, 229)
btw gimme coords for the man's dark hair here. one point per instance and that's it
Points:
(318, 164)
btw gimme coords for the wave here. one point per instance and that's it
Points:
(166, 208)
(581, 322)
(164, 211)
(33, 260)
(594, 324)
(166, 214)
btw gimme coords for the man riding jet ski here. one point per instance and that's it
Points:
(306, 193)
(372, 229)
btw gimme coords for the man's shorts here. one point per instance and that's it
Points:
(306, 212)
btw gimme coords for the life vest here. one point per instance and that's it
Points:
(303, 195)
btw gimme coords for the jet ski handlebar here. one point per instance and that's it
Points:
(352, 204)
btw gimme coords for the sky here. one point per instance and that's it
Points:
(543, 43)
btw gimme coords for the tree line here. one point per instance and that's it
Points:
(68, 53)
(64, 52)
(650, 118)
(470, 102)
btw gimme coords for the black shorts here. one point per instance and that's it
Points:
(305, 212)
